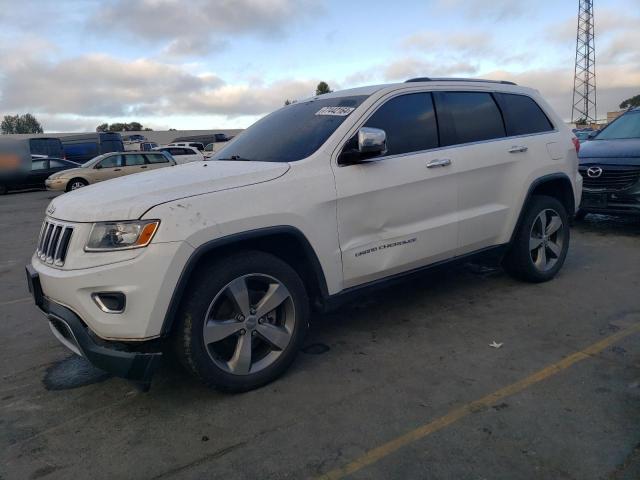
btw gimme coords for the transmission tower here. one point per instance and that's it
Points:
(584, 80)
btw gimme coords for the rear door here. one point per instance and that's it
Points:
(473, 135)
(397, 212)
(495, 138)
(134, 163)
(39, 173)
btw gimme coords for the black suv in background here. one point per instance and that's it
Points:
(610, 166)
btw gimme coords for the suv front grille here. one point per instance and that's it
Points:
(54, 242)
(613, 178)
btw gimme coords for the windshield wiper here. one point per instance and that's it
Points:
(236, 158)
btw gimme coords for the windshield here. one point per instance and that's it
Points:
(626, 126)
(291, 133)
(94, 160)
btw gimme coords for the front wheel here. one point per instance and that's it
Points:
(76, 183)
(244, 321)
(541, 243)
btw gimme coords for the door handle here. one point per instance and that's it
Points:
(144, 166)
(117, 169)
(518, 149)
(443, 162)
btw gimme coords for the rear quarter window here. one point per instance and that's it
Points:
(522, 115)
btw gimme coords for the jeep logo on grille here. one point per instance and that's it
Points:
(594, 172)
(51, 209)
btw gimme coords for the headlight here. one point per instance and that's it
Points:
(121, 235)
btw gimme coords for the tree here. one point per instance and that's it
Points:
(289, 102)
(122, 127)
(26, 123)
(631, 102)
(322, 88)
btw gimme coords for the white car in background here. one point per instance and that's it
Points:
(212, 148)
(182, 154)
(197, 145)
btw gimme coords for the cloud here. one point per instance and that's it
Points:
(99, 85)
(409, 67)
(461, 42)
(197, 27)
(615, 83)
(493, 10)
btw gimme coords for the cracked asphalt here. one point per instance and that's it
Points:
(381, 367)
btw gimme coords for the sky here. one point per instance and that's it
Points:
(213, 64)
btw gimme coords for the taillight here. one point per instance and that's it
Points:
(576, 144)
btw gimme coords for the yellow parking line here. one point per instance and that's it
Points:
(17, 300)
(378, 453)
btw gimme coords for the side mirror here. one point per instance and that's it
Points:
(98, 167)
(367, 144)
(372, 142)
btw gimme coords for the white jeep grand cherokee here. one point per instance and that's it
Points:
(222, 260)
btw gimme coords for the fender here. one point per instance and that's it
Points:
(535, 184)
(207, 247)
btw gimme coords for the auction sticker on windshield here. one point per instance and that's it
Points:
(335, 111)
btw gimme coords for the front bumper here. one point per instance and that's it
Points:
(58, 185)
(627, 203)
(114, 357)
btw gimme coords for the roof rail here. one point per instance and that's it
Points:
(427, 79)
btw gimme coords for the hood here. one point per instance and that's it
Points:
(623, 151)
(127, 198)
(68, 172)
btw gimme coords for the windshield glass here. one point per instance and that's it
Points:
(94, 160)
(626, 126)
(291, 133)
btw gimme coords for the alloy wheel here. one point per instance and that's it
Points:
(546, 239)
(249, 324)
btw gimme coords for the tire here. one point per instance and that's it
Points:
(3, 190)
(580, 214)
(217, 303)
(534, 256)
(76, 183)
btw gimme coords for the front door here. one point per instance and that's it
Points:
(397, 212)
(110, 167)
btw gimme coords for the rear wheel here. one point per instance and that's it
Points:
(541, 242)
(244, 321)
(76, 183)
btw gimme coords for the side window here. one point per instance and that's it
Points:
(156, 158)
(522, 115)
(133, 160)
(468, 117)
(39, 165)
(56, 164)
(111, 162)
(409, 121)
